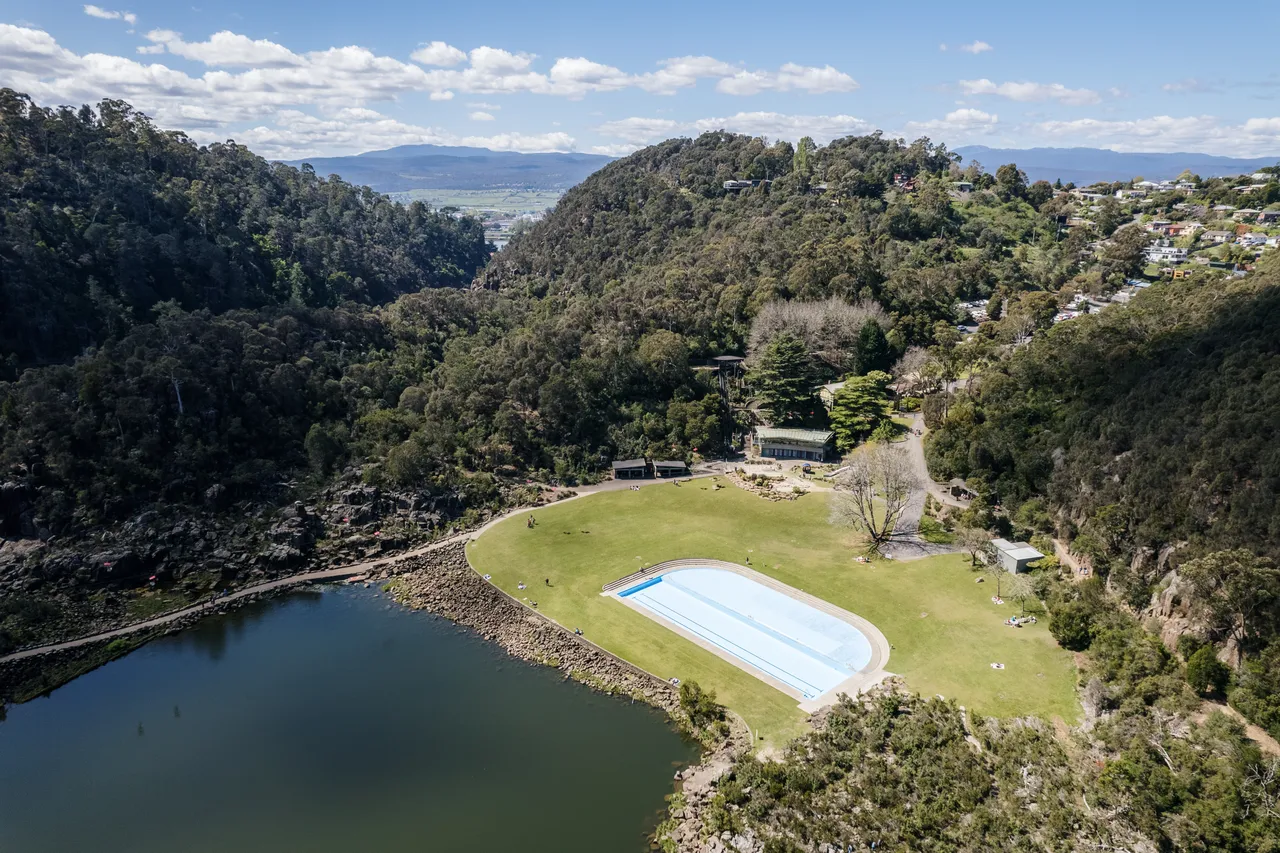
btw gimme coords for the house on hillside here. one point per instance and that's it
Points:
(1162, 252)
(814, 445)
(827, 393)
(1244, 213)
(1217, 238)
(1015, 557)
(1268, 217)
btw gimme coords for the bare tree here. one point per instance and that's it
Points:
(972, 540)
(873, 493)
(1020, 589)
(828, 328)
(909, 371)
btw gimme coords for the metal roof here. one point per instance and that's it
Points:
(806, 436)
(630, 463)
(1017, 550)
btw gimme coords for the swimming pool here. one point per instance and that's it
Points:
(805, 648)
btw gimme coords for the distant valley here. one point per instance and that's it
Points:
(439, 167)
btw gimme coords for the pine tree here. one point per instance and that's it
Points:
(783, 380)
(873, 349)
(859, 407)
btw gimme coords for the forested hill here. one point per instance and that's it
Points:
(1156, 424)
(657, 241)
(104, 216)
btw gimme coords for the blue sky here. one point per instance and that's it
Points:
(297, 79)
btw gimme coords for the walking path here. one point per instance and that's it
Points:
(907, 543)
(337, 573)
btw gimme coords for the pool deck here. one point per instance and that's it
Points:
(870, 675)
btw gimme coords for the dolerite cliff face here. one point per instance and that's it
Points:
(443, 583)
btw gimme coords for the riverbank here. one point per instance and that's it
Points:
(444, 583)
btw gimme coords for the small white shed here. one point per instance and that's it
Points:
(1015, 556)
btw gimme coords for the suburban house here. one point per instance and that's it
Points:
(1253, 240)
(1244, 213)
(1014, 557)
(1164, 253)
(782, 443)
(630, 469)
(1217, 237)
(827, 393)
(1268, 217)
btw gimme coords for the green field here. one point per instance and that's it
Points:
(585, 543)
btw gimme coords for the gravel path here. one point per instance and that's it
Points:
(907, 543)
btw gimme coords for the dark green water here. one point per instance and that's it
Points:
(331, 721)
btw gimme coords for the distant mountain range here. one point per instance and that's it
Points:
(1088, 165)
(412, 167)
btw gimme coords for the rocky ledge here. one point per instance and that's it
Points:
(443, 583)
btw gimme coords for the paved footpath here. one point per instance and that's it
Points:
(214, 605)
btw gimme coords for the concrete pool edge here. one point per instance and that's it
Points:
(864, 679)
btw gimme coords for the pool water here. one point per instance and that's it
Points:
(805, 648)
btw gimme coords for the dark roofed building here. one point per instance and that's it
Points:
(811, 444)
(670, 468)
(630, 469)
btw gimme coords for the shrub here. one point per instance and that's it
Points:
(1188, 645)
(699, 704)
(1205, 673)
(1071, 624)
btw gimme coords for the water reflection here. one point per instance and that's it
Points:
(211, 635)
(330, 722)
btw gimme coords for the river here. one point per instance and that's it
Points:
(331, 720)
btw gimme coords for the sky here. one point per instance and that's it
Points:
(292, 79)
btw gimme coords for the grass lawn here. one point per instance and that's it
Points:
(583, 544)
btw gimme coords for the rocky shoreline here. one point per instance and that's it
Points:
(444, 583)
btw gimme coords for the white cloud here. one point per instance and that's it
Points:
(580, 75)
(107, 15)
(639, 130)
(294, 135)
(1190, 85)
(483, 105)
(1026, 91)
(976, 47)
(683, 72)
(943, 47)
(1255, 137)
(480, 116)
(226, 49)
(789, 77)
(965, 122)
(622, 149)
(260, 91)
(438, 53)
